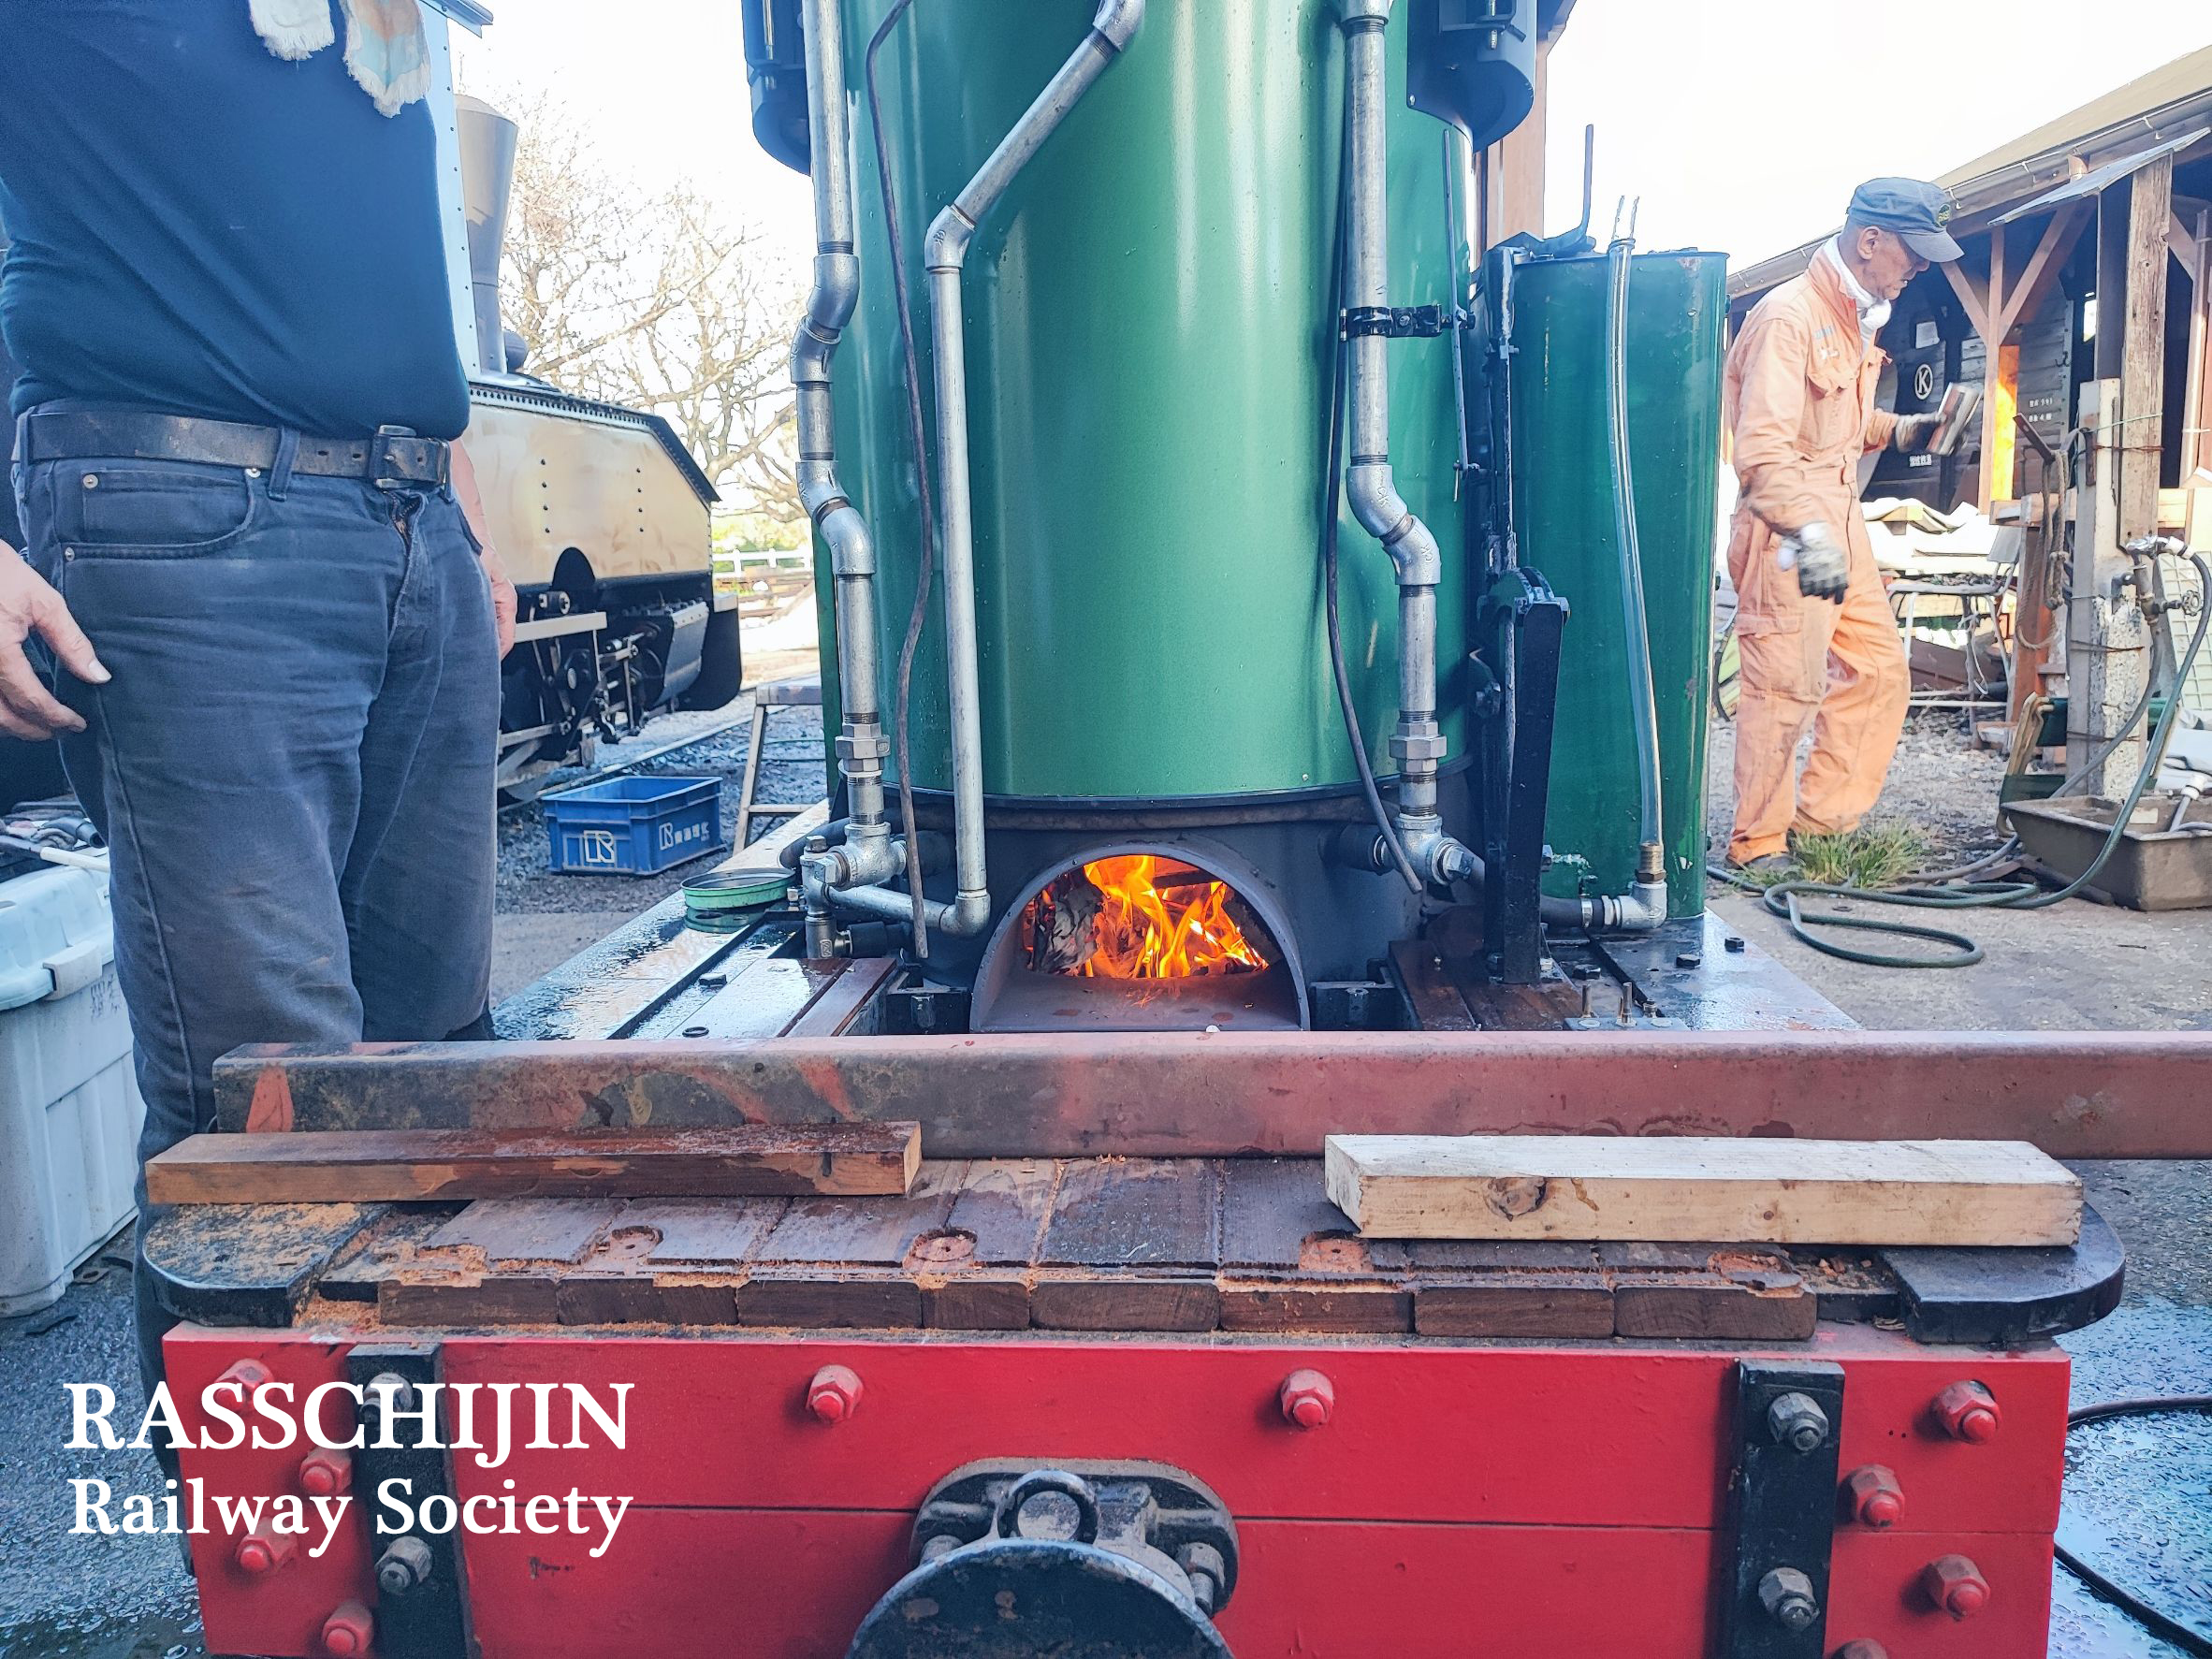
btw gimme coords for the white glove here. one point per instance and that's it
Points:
(1817, 553)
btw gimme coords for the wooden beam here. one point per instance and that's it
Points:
(365, 1166)
(1972, 295)
(2044, 266)
(1665, 1189)
(2142, 351)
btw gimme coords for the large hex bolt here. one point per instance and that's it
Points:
(1862, 1649)
(404, 1567)
(1873, 1497)
(348, 1631)
(248, 1374)
(833, 1395)
(1787, 1595)
(324, 1473)
(1206, 1570)
(1955, 1586)
(388, 1385)
(1967, 1411)
(263, 1551)
(1797, 1421)
(1308, 1400)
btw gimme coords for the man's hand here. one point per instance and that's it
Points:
(28, 605)
(1916, 433)
(1823, 565)
(502, 598)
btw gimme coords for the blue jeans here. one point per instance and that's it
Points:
(293, 765)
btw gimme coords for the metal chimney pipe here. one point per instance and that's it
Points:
(488, 141)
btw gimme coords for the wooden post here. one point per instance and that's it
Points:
(1997, 422)
(2142, 358)
(2196, 443)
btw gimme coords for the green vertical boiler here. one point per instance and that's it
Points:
(1150, 335)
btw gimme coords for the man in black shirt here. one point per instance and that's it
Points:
(268, 638)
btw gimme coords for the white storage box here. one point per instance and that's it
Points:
(69, 1106)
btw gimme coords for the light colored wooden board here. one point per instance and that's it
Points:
(1740, 1190)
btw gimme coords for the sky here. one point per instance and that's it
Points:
(1742, 124)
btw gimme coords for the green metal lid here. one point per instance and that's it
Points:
(727, 901)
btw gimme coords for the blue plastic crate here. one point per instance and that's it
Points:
(632, 826)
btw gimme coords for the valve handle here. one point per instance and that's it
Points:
(1040, 1481)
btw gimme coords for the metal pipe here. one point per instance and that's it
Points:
(1651, 869)
(861, 742)
(1418, 743)
(946, 255)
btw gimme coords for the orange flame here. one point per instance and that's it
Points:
(1138, 917)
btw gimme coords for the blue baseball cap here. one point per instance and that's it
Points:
(1914, 211)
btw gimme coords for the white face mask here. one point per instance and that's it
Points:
(1871, 321)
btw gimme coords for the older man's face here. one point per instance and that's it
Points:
(1888, 264)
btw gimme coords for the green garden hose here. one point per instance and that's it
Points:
(1781, 898)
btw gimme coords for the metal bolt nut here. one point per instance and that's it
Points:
(1308, 1400)
(1873, 1497)
(1787, 1595)
(388, 1386)
(262, 1550)
(404, 1567)
(833, 1395)
(1967, 1411)
(1797, 1421)
(1862, 1649)
(1955, 1586)
(348, 1631)
(1206, 1570)
(324, 1473)
(248, 1374)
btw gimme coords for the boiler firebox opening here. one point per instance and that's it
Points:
(1143, 916)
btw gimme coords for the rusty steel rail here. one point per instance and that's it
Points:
(1164, 1095)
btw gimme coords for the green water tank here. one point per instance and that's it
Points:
(1150, 331)
(1563, 509)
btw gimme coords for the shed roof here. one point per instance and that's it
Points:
(2168, 104)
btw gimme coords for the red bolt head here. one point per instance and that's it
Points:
(1967, 1411)
(1308, 1400)
(263, 1552)
(248, 1374)
(324, 1474)
(833, 1395)
(347, 1632)
(1873, 1496)
(1955, 1586)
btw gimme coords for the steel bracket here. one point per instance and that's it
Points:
(422, 1602)
(1782, 1510)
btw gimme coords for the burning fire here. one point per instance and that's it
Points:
(1140, 917)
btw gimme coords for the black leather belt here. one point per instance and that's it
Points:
(389, 459)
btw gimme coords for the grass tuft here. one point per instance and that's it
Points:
(1877, 855)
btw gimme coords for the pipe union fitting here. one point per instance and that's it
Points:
(862, 746)
(1415, 746)
(1371, 13)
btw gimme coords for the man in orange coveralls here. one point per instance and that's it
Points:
(1818, 643)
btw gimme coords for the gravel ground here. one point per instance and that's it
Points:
(790, 770)
(1941, 783)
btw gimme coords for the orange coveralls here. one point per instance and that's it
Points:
(1798, 403)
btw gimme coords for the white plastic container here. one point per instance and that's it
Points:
(69, 1105)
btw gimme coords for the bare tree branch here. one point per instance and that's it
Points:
(654, 302)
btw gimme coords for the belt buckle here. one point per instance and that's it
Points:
(384, 469)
